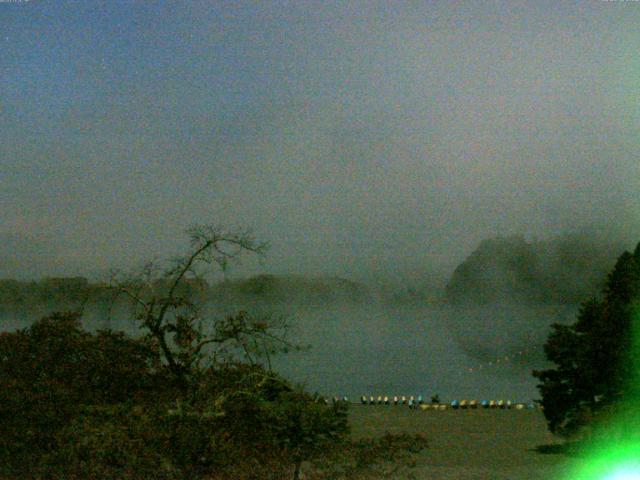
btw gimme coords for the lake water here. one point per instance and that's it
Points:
(377, 349)
(481, 352)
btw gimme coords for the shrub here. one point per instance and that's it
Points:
(119, 441)
(75, 404)
(49, 371)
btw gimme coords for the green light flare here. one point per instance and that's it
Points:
(617, 461)
(614, 452)
(625, 473)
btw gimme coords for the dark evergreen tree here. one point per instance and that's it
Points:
(595, 369)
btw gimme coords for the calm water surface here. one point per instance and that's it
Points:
(479, 352)
(455, 352)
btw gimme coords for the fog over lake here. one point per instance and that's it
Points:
(374, 141)
(383, 349)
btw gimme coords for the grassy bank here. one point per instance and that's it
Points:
(470, 444)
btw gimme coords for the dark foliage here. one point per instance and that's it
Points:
(594, 366)
(79, 405)
(51, 369)
(189, 399)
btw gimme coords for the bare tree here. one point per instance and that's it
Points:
(166, 307)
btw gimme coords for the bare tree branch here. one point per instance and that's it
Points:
(173, 318)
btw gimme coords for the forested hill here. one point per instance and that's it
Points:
(564, 269)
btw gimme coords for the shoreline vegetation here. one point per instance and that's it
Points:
(182, 401)
(179, 401)
(561, 270)
(78, 405)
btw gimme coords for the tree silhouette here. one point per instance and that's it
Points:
(594, 365)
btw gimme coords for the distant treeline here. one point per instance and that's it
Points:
(563, 270)
(68, 290)
(291, 289)
(73, 292)
(566, 269)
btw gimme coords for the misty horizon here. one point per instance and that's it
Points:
(217, 216)
(358, 139)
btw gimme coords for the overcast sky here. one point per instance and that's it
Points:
(354, 136)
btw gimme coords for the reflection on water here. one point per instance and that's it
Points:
(456, 352)
(480, 352)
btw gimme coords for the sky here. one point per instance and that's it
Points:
(356, 137)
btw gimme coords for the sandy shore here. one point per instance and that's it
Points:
(470, 444)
